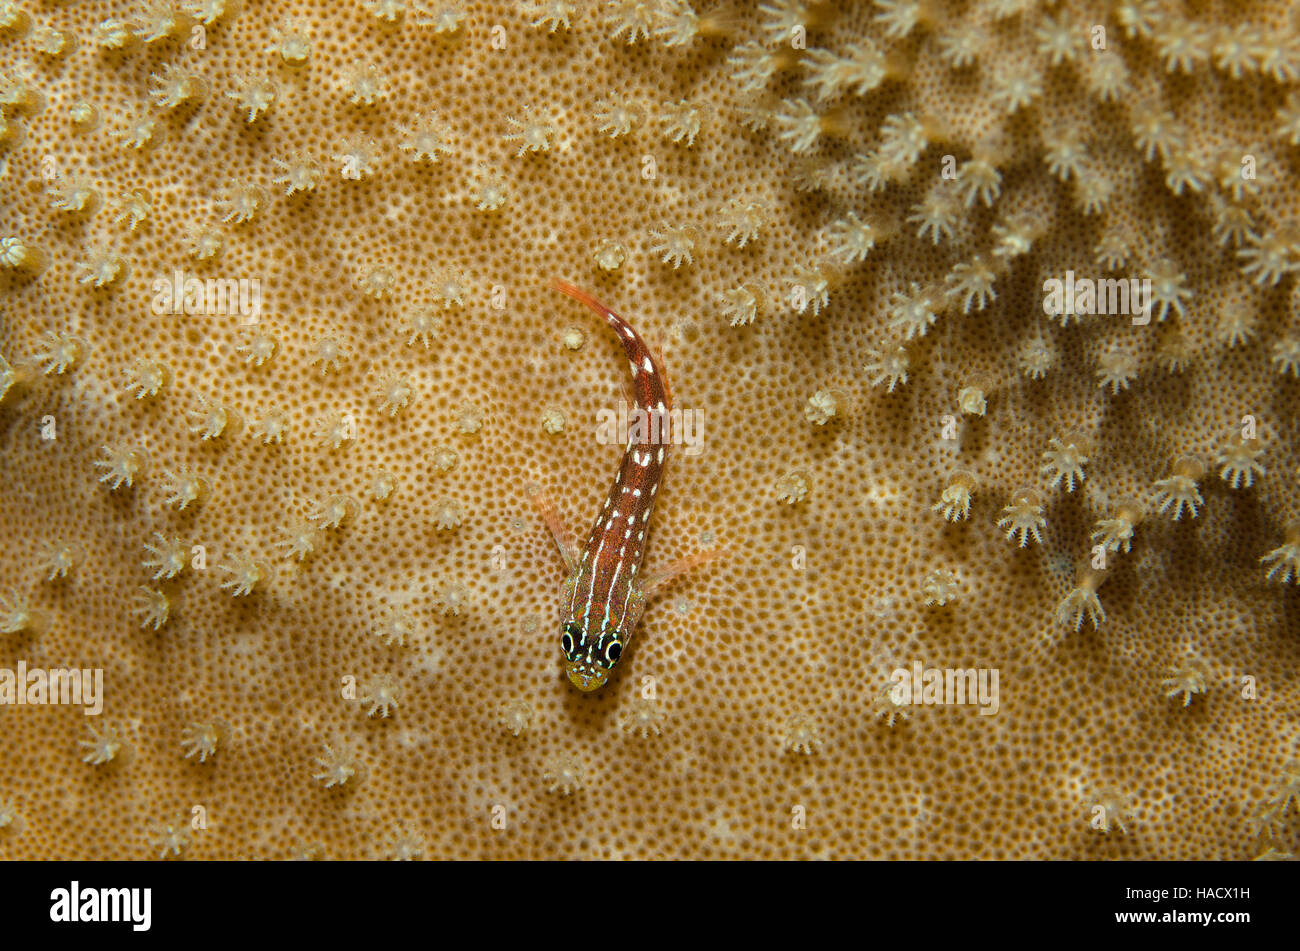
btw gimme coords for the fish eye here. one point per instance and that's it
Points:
(570, 638)
(613, 652)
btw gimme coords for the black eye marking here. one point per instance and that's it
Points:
(613, 652)
(571, 637)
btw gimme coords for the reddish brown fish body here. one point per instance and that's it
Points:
(605, 598)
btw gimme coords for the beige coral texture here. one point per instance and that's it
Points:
(326, 611)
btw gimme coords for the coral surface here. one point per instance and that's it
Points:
(278, 366)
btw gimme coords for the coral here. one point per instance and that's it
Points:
(203, 241)
(972, 282)
(1286, 354)
(855, 208)
(1066, 459)
(428, 139)
(208, 419)
(809, 288)
(151, 606)
(291, 42)
(238, 202)
(533, 132)
(1270, 256)
(133, 208)
(449, 287)
(175, 87)
(57, 558)
(1167, 289)
(333, 431)
(1108, 809)
(551, 14)
(1111, 533)
(336, 767)
(257, 346)
(1285, 559)
(298, 538)
(1017, 85)
(59, 352)
(300, 173)
(1116, 368)
(1024, 516)
(270, 426)
(1239, 461)
(938, 213)
(1082, 600)
(642, 717)
(357, 155)
(422, 324)
(851, 239)
(1179, 488)
(615, 117)
(395, 627)
(394, 393)
(739, 305)
(979, 180)
(377, 282)
(954, 503)
(121, 464)
(553, 421)
(103, 746)
(562, 775)
(201, 740)
(791, 488)
(364, 84)
(17, 615)
(515, 716)
(447, 514)
(741, 220)
(887, 362)
(673, 244)
(861, 70)
(146, 377)
(405, 845)
(169, 838)
(185, 487)
(681, 121)
(1185, 679)
(822, 407)
(489, 190)
(753, 65)
(890, 706)
(451, 598)
(253, 95)
(911, 314)
(940, 586)
(799, 734)
(114, 34)
(245, 572)
(77, 195)
(799, 126)
(381, 693)
(334, 511)
(167, 556)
